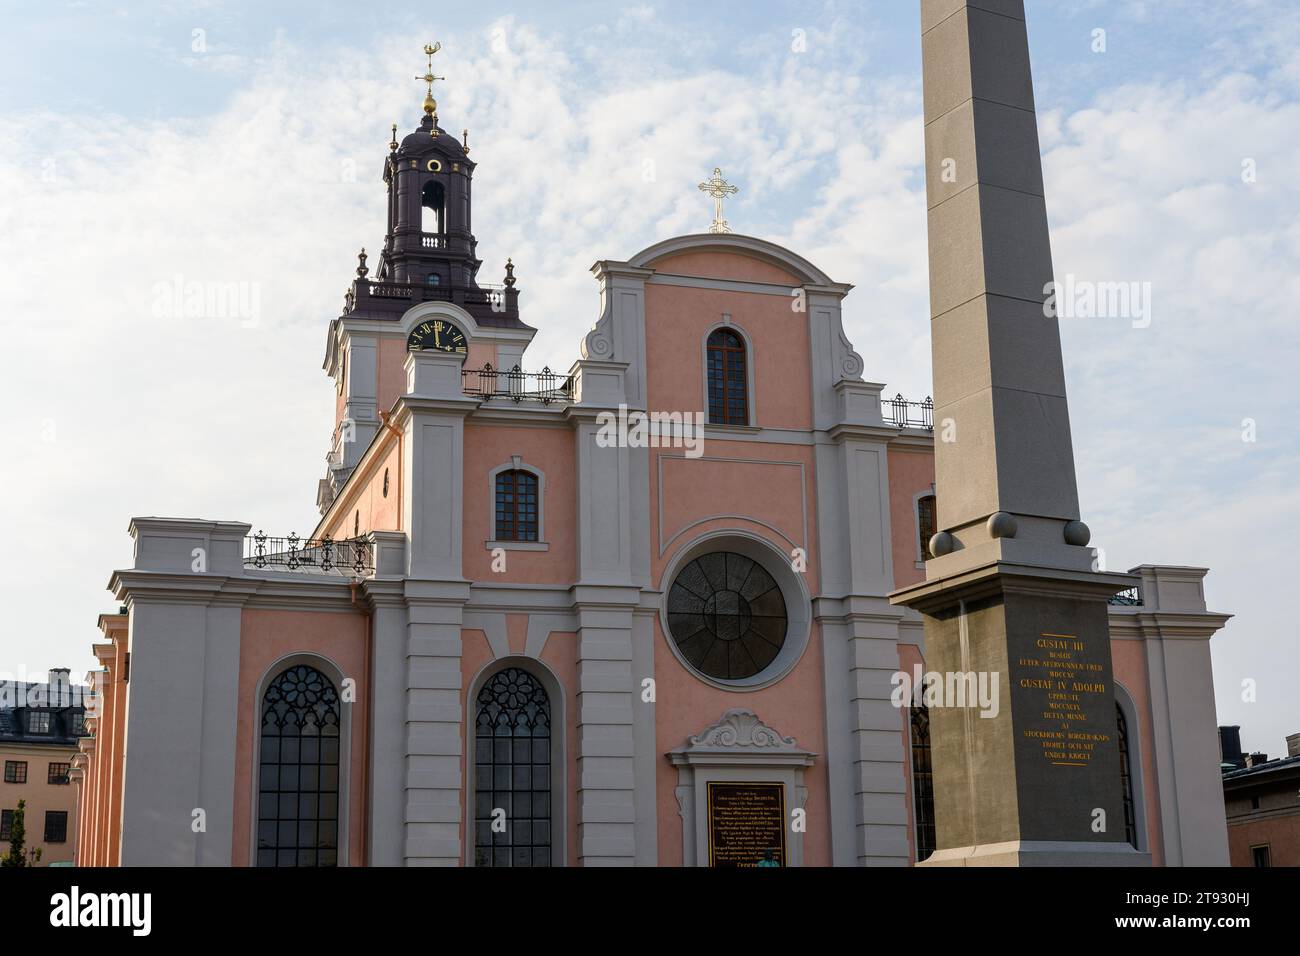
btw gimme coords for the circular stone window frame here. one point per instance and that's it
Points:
(798, 604)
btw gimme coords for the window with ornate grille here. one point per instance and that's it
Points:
(516, 506)
(926, 524)
(1126, 777)
(298, 783)
(58, 773)
(512, 771)
(15, 771)
(6, 824)
(56, 826)
(727, 616)
(728, 386)
(922, 783)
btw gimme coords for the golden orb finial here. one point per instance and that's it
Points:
(430, 104)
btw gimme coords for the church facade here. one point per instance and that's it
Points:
(631, 614)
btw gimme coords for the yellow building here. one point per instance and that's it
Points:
(39, 727)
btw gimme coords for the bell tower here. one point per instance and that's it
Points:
(429, 251)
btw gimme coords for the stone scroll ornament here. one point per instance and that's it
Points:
(599, 342)
(743, 729)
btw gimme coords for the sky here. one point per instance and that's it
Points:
(144, 145)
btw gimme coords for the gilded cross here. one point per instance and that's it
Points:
(430, 104)
(719, 189)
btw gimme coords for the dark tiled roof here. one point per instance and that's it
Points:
(63, 711)
(1271, 766)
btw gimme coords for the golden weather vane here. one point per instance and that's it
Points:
(430, 104)
(719, 189)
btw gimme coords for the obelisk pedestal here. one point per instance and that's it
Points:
(1012, 590)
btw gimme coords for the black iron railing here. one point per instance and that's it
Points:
(899, 411)
(1129, 597)
(345, 556)
(517, 385)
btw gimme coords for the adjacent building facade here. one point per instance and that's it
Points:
(633, 614)
(40, 724)
(1262, 799)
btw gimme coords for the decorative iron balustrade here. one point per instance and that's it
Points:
(517, 385)
(904, 414)
(1129, 597)
(345, 556)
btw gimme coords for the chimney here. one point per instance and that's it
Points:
(1256, 759)
(60, 687)
(1230, 746)
(1293, 745)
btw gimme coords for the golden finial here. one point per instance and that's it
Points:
(430, 104)
(392, 143)
(464, 136)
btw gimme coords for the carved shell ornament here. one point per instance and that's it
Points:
(741, 728)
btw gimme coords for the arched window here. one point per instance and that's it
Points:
(728, 387)
(433, 202)
(1126, 777)
(512, 771)
(516, 506)
(926, 524)
(433, 279)
(298, 801)
(922, 783)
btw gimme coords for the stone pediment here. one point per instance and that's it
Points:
(741, 737)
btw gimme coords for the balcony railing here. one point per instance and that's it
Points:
(517, 385)
(1129, 597)
(904, 414)
(323, 555)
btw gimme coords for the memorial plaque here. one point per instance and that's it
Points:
(745, 821)
(1064, 684)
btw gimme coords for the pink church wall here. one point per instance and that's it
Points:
(550, 450)
(265, 637)
(911, 471)
(677, 318)
(364, 497)
(725, 265)
(390, 382)
(774, 484)
(1129, 665)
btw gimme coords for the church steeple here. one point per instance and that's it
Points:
(429, 251)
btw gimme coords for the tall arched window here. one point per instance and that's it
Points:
(728, 387)
(1126, 777)
(922, 783)
(512, 771)
(516, 506)
(926, 525)
(298, 789)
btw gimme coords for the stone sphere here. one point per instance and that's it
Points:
(942, 543)
(1001, 525)
(1077, 533)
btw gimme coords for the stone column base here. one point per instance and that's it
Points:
(1040, 853)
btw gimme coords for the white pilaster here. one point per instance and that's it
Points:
(606, 745)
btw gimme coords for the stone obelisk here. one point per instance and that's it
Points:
(1011, 593)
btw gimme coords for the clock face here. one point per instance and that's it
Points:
(436, 334)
